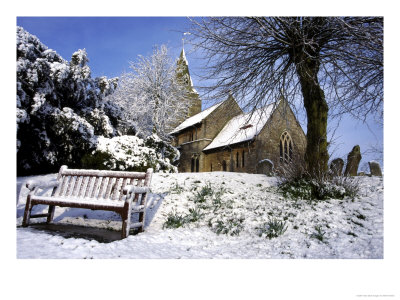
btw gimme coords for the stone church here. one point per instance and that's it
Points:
(224, 138)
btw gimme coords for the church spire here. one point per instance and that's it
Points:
(183, 70)
(183, 75)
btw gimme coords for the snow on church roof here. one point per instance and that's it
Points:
(242, 128)
(196, 118)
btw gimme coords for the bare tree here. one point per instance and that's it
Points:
(326, 64)
(152, 95)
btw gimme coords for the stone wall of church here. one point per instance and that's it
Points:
(266, 145)
(216, 120)
(243, 157)
(195, 106)
(192, 150)
(236, 159)
(267, 142)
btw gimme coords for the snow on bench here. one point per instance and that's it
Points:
(93, 189)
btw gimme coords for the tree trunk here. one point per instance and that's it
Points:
(316, 155)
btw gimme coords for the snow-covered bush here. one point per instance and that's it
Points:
(63, 117)
(73, 135)
(100, 121)
(313, 189)
(126, 153)
(163, 149)
(60, 108)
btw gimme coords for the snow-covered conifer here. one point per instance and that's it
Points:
(59, 107)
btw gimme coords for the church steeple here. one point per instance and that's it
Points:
(183, 75)
(182, 71)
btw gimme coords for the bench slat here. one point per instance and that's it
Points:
(64, 183)
(89, 186)
(70, 185)
(95, 185)
(83, 184)
(78, 181)
(102, 184)
(91, 203)
(102, 173)
(115, 190)
(109, 186)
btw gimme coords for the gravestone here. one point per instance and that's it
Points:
(265, 166)
(337, 166)
(353, 160)
(375, 168)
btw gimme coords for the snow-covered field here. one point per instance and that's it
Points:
(228, 222)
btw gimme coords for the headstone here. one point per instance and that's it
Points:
(353, 160)
(337, 166)
(265, 166)
(375, 168)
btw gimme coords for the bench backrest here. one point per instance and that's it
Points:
(98, 184)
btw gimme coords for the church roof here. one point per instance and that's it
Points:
(242, 128)
(196, 119)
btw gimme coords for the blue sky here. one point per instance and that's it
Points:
(112, 42)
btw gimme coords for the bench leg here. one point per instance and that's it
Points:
(126, 220)
(141, 220)
(50, 214)
(27, 212)
(142, 215)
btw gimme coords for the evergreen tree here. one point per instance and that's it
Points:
(60, 108)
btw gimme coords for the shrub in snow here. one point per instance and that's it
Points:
(210, 207)
(163, 149)
(273, 228)
(318, 234)
(312, 189)
(126, 153)
(72, 134)
(174, 220)
(60, 109)
(231, 225)
(100, 121)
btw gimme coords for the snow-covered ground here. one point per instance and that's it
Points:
(231, 218)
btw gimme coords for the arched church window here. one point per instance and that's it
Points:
(285, 147)
(195, 163)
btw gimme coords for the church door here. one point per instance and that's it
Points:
(223, 165)
(192, 165)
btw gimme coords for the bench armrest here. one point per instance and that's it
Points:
(32, 184)
(135, 189)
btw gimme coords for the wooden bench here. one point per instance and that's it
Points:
(93, 189)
